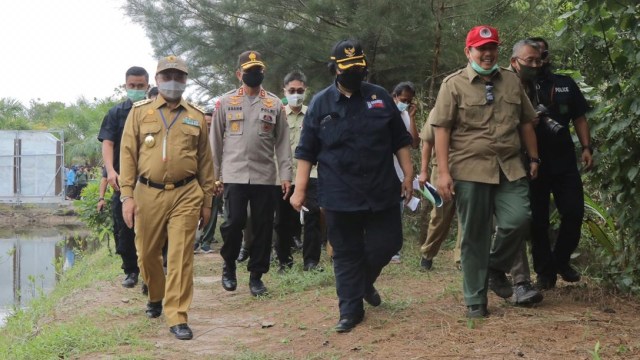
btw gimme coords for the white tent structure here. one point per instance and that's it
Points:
(31, 166)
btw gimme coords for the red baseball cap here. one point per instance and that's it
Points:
(481, 35)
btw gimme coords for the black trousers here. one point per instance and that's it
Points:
(312, 240)
(569, 199)
(124, 237)
(363, 243)
(262, 200)
(286, 223)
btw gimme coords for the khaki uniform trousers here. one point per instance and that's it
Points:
(439, 225)
(168, 216)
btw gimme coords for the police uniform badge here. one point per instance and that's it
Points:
(267, 123)
(268, 103)
(235, 127)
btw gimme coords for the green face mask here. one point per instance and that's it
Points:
(527, 73)
(482, 71)
(136, 95)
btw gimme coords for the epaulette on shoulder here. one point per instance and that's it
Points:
(197, 107)
(230, 92)
(272, 94)
(457, 72)
(509, 69)
(142, 102)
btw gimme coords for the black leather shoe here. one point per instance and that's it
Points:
(229, 280)
(257, 288)
(372, 297)
(131, 280)
(569, 274)
(181, 331)
(347, 323)
(310, 266)
(499, 284)
(154, 309)
(244, 254)
(546, 282)
(426, 264)
(477, 311)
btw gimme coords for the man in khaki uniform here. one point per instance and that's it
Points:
(480, 114)
(164, 149)
(249, 128)
(440, 217)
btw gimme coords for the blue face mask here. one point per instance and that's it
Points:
(402, 106)
(482, 71)
(136, 95)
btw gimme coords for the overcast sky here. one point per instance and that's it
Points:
(61, 50)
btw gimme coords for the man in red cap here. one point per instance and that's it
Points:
(480, 116)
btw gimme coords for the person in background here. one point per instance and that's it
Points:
(351, 131)
(403, 95)
(441, 217)
(82, 179)
(71, 183)
(487, 107)
(288, 220)
(559, 173)
(525, 62)
(136, 85)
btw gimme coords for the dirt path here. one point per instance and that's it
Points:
(422, 317)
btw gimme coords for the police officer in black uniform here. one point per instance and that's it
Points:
(351, 131)
(558, 173)
(137, 85)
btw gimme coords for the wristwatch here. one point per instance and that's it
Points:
(100, 199)
(535, 160)
(125, 198)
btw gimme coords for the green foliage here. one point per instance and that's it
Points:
(403, 40)
(606, 37)
(99, 222)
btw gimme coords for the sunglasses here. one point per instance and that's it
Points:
(295, 91)
(488, 86)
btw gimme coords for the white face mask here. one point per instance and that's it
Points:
(171, 90)
(295, 100)
(402, 106)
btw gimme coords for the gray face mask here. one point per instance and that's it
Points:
(171, 90)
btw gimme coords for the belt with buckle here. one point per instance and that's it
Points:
(169, 186)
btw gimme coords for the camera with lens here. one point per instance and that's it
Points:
(553, 126)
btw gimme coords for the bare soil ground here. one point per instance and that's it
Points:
(422, 317)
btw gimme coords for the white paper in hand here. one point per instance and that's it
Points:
(413, 203)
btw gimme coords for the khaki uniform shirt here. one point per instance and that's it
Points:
(246, 134)
(484, 137)
(427, 135)
(295, 128)
(187, 146)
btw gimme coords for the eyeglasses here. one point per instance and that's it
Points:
(531, 61)
(488, 86)
(296, 91)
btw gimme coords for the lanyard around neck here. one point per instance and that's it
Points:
(168, 127)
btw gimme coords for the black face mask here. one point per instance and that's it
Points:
(253, 78)
(351, 79)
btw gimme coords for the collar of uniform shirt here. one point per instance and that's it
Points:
(472, 74)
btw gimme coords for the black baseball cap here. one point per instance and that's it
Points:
(348, 53)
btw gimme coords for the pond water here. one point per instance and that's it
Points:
(31, 262)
